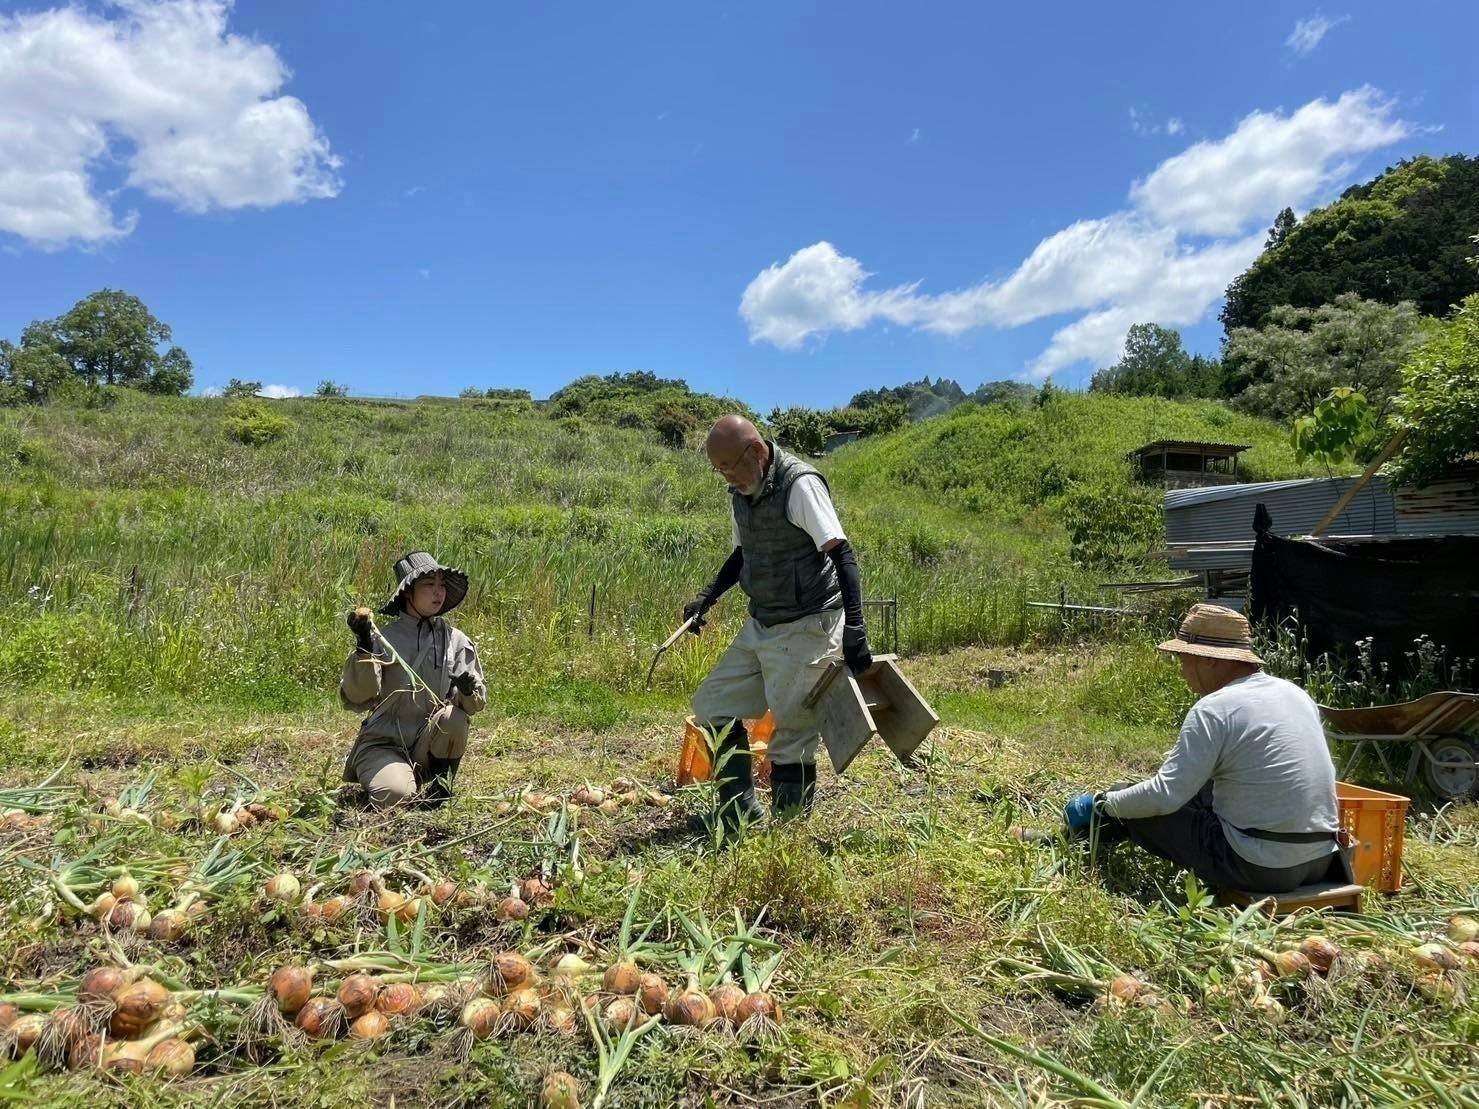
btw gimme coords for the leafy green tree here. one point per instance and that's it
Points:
(803, 429)
(1017, 394)
(1336, 431)
(1438, 406)
(1153, 365)
(111, 338)
(922, 399)
(328, 388)
(1305, 353)
(1402, 236)
(32, 374)
(236, 388)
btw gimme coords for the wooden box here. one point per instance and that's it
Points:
(881, 701)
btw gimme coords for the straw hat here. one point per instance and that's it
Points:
(416, 565)
(1214, 632)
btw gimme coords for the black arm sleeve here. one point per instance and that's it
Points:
(725, 579)
(851, 580)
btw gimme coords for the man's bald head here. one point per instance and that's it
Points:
(739, 452)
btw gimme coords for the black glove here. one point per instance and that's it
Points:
(362, 623)
(696, 610)
(855, 648)
(464, 683)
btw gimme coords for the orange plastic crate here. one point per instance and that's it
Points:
(695, 764)
(1378, 821)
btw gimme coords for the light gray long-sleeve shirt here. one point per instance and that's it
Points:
(1259, 741)
(398, 708)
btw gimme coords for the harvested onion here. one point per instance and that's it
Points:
(398, 999)
(284, 888)
(369, 1026)
(320, 1018)
(442, 892)
(127, 915)
(560, 1018)
(510, 971)
(357, 995)
(361, 882)
(652, 993)
(9, 1014)
(1126, 987)
(291, 987)
(1321, 953)
(169, 926)
(1462, 929)
(26, 1030)
(136, 1007)
(332, 909)
(521, 1009)
(226, 824)
(125, 886)
(758, 1005)
(1290, 964)
(620, 1013)
(535, 891)
(389, 901)
(480, 1016)
(86, 1051)
(173, 1056)
(622, 978)
(1436, 956)
(559, 1091)
(692, 1008)
(101, 983)
(726, 999)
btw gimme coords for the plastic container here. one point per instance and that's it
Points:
(1378, 821)
(696, 762)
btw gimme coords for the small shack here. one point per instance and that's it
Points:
(1182, 464)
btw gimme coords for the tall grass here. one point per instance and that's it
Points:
(145, 552)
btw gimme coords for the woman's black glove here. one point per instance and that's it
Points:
(362, 622)
(464, 683)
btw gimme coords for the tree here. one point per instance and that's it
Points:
(328, 388)
(1283, 225)
(1017, 394)
(237, 388)
(1303, 354)
(1153, 365)
(1438, 406)
(32, 374)
(1336, 431)
(1402, 236)
(805, 429)
(111, 338)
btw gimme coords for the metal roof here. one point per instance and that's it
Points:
(1185, 498)
(1226, 450)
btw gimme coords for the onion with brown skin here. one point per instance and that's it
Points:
(411, 909)
(86, 1052)
(369, 1026)
(362, 882)
(726, 999)
(512, 909)
(622, 978)
(174, 1057)
(9, 1014)
(1435, 956)
(124, 1064)
(398, 999)
(136, 1007)
(521, 1009)
(225, 823)
(334, 908)
(691, 1008)
(1292, 964)
(388, 901)
(283, 888)
(101, 983)
(560, 1018)
(620, 1013)
(441, 893)
(100, 908)
(609, 807)
(126, 915)
(321, 1018)
(480, 1016)
(1126, 987)
(24, 1033)
(510, 971)
(125, 886)
(1469, 949)
(245, 818)
(357, 995)
(758, 1004)
(652, 994)
(559, 1091)
(169, 926)
(291, 987)
(1463, 929)
(535, 891)
(1321, 953)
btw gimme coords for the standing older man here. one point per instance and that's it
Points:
(794, 562)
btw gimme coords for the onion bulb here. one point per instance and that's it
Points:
(100, 908)
(125, 886)
(511, 971)
(320, 1017)
(398, 999)
(1321, 953)
(9, 1014)
(1268, 1008)
(560, 1018)
(389, 901)
(26, 1030)
(245, 818)
(124, 1064)
(1436, 986)
(225, 823)
(332, 909)
(169, 926)
(1290, 964)
(726, 999)
(1462, 929)
(442, 892)
(521, 1008)
(361, 882)
(652, 993)
(589, 795)
(758, 1005)
(1436, 956)
(692, 1008)
(620, 1013)
(512, 908)
(127, 915)
(101, 983)
(369, 1026)
(622, 978)
(480, 1016)
(357, 995)
(136, 1007)
(1470, 950)
(284, 888)
(559, 1091)
(410, 910)
(291, 987)
(571, 965)
(86, 1051)
(535, 891)
(173, 1056)
(1126, 987)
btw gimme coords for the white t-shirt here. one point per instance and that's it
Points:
(808, 507)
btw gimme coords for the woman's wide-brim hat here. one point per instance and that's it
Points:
(416, 565)
(1212, 631)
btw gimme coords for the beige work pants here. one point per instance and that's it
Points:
(381, 766)
(773, 668)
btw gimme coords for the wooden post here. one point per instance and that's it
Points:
(1350, 494)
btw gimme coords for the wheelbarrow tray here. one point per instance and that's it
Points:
(1418, 722)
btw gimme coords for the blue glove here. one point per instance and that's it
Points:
(1079, 812)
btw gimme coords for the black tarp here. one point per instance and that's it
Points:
(1391, 591)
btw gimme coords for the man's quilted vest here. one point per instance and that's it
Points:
(784, 574)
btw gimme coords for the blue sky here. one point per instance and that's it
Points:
(785, 202)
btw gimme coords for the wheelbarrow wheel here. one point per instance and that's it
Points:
(1448, 770)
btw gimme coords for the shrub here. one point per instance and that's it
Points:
(251, 423)
(1110, 526)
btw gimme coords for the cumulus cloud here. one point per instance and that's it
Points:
(279, 392)
(1307, 33)
(158, 93)
(1192, 225)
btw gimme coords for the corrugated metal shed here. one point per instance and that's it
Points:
(1212, 529)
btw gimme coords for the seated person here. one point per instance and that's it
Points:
(418, 678)
(1246, 797)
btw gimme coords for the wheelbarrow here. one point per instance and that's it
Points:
(1440, 728)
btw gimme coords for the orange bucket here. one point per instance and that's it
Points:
(1378, 821)
(696, 761)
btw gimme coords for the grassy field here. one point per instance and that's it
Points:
(171, 613)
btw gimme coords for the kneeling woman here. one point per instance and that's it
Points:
(419, 680)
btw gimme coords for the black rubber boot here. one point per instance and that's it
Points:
(439, 775)
(793, 785)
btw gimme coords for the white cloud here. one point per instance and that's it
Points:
(414, 190)
(279, 392)
(913, 138)
(159, 92)
(1174, 126)
(1141, 126)
(1193, 224)
(1307, 33)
